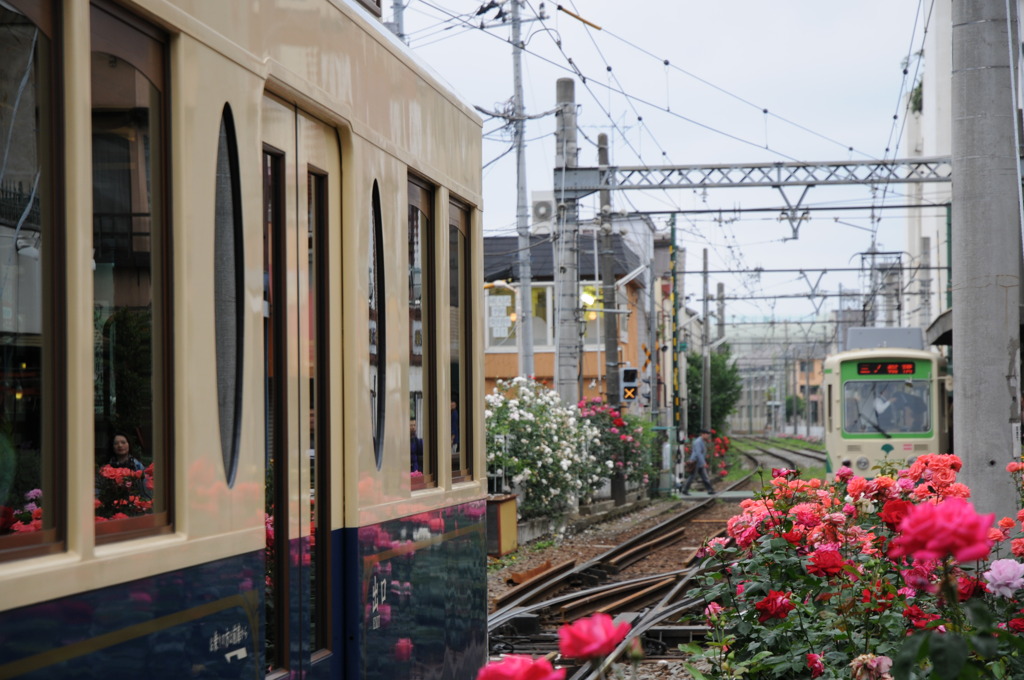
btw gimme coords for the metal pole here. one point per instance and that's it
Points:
(705, 385)
(986, 253)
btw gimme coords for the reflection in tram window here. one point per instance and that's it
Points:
(128, 237)
(887, 406)
(459, 343)
(27, 287)
(422, 407)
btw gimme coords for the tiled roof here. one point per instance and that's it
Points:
(501, 257)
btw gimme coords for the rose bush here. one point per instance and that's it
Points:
(543, 447)
(623, 443)
(865, 578)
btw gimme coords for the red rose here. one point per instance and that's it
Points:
(403, 649)
(894, 511)
(6, 518)
(826, 563)
(815, 664)
(593, 637)
(1016, 625)
(775, 606)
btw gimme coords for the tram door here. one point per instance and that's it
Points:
(301, 207)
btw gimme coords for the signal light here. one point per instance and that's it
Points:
(628, 383)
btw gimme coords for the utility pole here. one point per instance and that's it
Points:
(398, 25)
(705, 384)
(567, 341)
(986, 251)
(720, 322)
(611, 322)
(525, 311)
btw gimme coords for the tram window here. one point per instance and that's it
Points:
(130, 276)
(886, 406)
(228, 298)
(377, 319)
(459, 342)
(31, 288)
(422, 398)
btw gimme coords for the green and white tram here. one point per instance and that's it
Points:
(885, 403)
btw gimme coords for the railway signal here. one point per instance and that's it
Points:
(628, 383)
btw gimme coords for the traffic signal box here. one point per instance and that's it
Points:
(628, 383)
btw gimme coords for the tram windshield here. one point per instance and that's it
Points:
(887, 406)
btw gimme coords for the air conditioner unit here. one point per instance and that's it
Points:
(542, 212)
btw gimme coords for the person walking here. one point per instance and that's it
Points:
(698, 456)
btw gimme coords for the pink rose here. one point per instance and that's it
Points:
(592, 637)
(952, 527)
(514, 667)
(1005, 577)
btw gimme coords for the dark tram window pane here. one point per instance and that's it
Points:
(30, 507)
(275, 415)
(228, 286)
(459, 342)
(378, 334)
(319, 488)
(422, 401)
(130, 272)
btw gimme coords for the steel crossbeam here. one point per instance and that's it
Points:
(583, 181)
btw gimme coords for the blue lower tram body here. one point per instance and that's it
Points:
(408, 600)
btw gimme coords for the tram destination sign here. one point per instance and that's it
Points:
(885, 368)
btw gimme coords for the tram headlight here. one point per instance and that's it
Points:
(863, 463)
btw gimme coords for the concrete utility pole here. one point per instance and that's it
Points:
(525, 335)
(986, 253)
(720, 321)
(611, 322)
(705, 382)
(567, 341)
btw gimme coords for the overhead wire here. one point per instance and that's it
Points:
(633, 101)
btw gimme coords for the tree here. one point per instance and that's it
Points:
(794, 406)
(726, 387)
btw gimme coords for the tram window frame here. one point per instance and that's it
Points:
(423, 402)
(49, 536)
(123, 36)
(460, 338)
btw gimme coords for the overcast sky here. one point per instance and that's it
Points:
(830, 75)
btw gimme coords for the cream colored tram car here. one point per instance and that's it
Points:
(240, 346)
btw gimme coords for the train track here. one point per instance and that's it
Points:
(652, 604)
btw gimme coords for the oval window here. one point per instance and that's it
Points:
(228, 287)
(378, 336)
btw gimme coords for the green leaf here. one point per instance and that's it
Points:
(690, 648)
(985, 646)
(697, 675)
(913, 650)
(948, 655)
(980, 614)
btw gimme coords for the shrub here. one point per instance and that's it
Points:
(857, 577)
(541, 445)
(623, 442)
